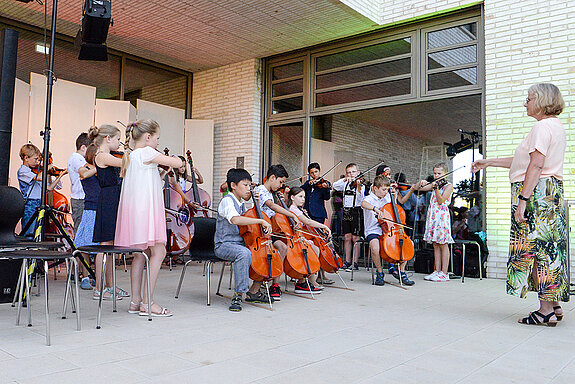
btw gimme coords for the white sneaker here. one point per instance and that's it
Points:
(440, 277)
(431, 276)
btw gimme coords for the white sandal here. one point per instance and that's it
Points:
(134, 311)
(164, 312)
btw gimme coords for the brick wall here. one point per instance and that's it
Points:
(526, 42)
(393, 11)
(371, 144)
(231, 96)
(171, 92)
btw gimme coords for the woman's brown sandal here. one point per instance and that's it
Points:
(559, 316)
(537, 318)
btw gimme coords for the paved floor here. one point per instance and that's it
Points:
(433, 333)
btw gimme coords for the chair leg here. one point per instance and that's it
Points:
(21, 292)
(451, 257)
(67, 291)
(182, 278)
(29, 299)
(222, 275)
(77, 306)
(114, 301)
(125, 264)
(46, 302)
(479, 262)
(148, 285)
(231, 275)
(463, 265)
(98, 324)
(18, 291)
(208, 281)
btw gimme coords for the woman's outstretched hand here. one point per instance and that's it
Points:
(479, 165)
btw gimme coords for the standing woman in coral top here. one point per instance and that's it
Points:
(538, 243)
(141, 220)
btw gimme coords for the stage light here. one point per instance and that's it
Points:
(96, 20)
(460, 146)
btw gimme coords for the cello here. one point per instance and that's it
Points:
(301, 260)
(266, 261)
(395, 246)
(199, 195)
(179, 233)
(329, 260)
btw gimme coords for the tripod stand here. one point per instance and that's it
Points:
(44, 211)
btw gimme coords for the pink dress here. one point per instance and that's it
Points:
(141, 220)
(438, 222)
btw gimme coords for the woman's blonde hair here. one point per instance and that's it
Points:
(98, 134)
(441, 166)
(134, 131)
(547, 99)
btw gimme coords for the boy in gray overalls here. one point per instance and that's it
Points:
(229, 244)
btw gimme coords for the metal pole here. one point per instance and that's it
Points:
(46, 133)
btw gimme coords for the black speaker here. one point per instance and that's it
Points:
(9, 271)
(8, 55)
(94, 52)
(96, 21)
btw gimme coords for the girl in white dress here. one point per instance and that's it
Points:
(141, 220)
(438, 222)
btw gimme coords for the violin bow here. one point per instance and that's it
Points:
(329, 170)
(368, 170)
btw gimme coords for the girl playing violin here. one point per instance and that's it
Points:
(438, 222)
(181, 177)
(141, 220)
(106, 139)
(296, 201)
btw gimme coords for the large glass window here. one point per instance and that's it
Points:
(286, 147)
(147, 82)
(374, 71)
(143, 81)
(451, 55)
(287, 87)
(104, 75)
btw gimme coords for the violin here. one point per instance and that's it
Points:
(199, 196)
(266, 261)
(394, 244)
(329, 260)
(320, 183)
(180, 230)
(52, 171)
(117, 154)
(301, 260)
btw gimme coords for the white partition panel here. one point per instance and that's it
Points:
(171, 122)
(19, 128)
(199, 139)
(112, 111)
(72, 114)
